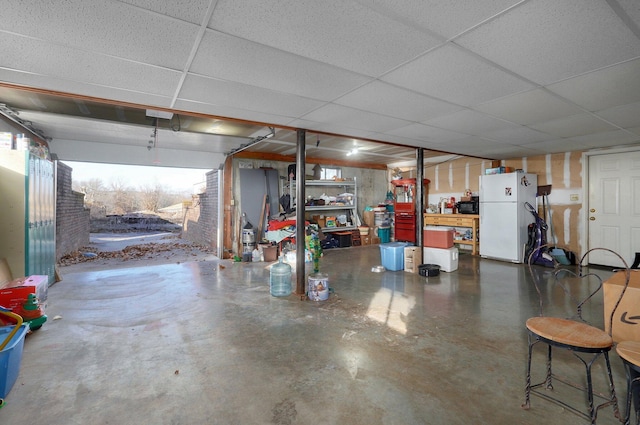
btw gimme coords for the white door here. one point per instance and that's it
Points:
(614, 207)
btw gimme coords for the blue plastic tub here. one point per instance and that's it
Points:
(393, 255)
(10, 357)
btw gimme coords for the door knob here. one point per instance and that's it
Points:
(592, 210)
(592, 218)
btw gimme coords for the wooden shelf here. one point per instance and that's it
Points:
(458, 220)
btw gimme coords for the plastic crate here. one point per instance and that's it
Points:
(11, 357)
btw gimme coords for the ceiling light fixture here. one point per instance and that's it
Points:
(352, 152)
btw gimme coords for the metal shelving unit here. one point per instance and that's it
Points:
(335, 188)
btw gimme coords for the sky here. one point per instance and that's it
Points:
(178, 180)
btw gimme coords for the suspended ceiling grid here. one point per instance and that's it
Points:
(495, 79)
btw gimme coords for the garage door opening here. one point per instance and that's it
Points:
(115, 192)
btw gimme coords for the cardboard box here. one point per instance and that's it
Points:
(498, 170)
(437, 236)
(366, 239)
(412, 258)
(369, 218)
(626, 320)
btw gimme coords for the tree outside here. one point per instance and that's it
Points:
(119, 197)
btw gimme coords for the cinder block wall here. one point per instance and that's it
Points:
(72, 218)
(200, 223)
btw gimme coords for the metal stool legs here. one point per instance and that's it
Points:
(592, 411)
(633, 397)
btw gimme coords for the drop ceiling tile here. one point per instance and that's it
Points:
(445, 18)
(107, 27)
(426, 133)
(221, 110)
(548, 40)
(383, 137)
(324, 127)
(529, 107)
(607, 138)
(344, 34)
(354, 118)
(53, 61)
(503, 151)
(185, 10)
(470, 122)
(386, 99)
(451, 74)
(266, 67)
(625, 116)
(631, 9)
(574, 126)
(613, 86)
(474, 142)
(472, 146)
(517, 135)
(557, 145)
(63, 85)
(241, 96)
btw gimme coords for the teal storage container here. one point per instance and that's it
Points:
(384, 233)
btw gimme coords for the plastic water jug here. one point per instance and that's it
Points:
(280, 279)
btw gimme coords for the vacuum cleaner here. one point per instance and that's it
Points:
(537, 238)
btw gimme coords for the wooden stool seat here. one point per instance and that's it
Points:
(569, 332)
(630, 351)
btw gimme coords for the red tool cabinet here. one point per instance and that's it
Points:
(405, 209)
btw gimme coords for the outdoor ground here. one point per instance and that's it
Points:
(116, 250)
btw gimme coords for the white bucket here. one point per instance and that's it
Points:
(318, 287)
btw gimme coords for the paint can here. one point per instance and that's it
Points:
(318, 287)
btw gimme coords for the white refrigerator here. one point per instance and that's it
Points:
(504, 219)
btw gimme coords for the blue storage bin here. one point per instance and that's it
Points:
(393, 255)
(10, 357)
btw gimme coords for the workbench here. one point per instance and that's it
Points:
(458, 220)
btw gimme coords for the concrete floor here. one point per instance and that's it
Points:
(203, 342)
